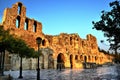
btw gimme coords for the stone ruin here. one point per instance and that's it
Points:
(67, 49)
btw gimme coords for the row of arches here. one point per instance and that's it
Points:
(89, 58)
(81, 59)
(26, 24)
(48, 62)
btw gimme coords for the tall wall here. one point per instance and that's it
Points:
(15, 19)
(68, 49)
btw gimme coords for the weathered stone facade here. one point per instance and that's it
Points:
(68, 49)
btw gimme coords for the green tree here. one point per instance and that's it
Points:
(4, 45)
(13, 45)
(110, 25)
(21, 48)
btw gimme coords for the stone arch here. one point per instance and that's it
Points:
(71, 61)
(19, 8)
(26, 24)
(60, 61)
(76, 57)
(95, 58)
(35, 26)
(89, 58)
(85, 59)
(81, 57)
(70, 40)
(42, 61)
(50, 61)
(43, 42)
(18, 22)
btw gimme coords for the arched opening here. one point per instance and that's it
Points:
(43, 42)
(19, 8)
(71, 61)
(50, 61)
(26, 25)
(95, 58)
(76, 57)
(89, 58)
(85, 62)
(81, 57)
(42, 61)
(35, 26)
(18, 22)
(85, 59)
(70, 40)
(60, 61)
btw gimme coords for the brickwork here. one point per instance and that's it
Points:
(67, 49)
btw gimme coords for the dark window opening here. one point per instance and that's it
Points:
(19, 8)
(18, 22)
(43, 42)
(26, 25)
(60, 61)
(35, 27)
(95, 58)
(76, 57)
(77, 39)
(70, 40)
(71, 61)
(85, 59)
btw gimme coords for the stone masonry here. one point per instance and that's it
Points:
(67, 49)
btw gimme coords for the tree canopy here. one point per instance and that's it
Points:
(14, 45)
(109, 24)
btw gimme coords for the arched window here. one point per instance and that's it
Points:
(70, 40)
(26, 25)
(85, 59)
(43, 42)
(95, 58)
(19, 8)
(18, 22)
(35, 26)
(76, 57)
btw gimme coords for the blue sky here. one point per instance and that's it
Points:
(68, 16)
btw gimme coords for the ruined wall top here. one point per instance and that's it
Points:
(29, 29)
(15, 17)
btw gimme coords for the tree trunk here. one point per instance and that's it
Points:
(0, 63)
(2, 57)
(20, 76)
(116, 56)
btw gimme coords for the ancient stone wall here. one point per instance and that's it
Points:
(68, 50)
